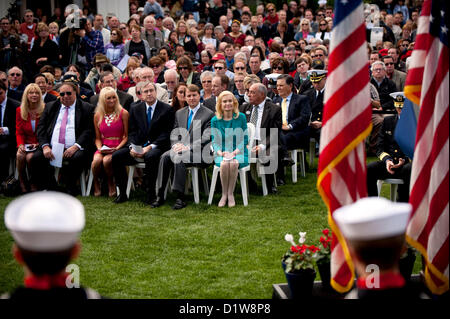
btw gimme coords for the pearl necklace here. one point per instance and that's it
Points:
(110, 118)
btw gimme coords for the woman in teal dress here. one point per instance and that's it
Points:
(229, 141)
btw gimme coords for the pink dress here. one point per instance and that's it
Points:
(111, 132)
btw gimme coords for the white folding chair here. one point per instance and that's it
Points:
(294, 156)
(82, 180)
(394, 186)
(192, 172)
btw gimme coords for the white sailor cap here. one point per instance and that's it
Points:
(45, 221)
(317, 75)
(372, 218)
(272, 76)
(399, 98)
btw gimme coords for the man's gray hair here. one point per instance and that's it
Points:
(376, 63)
(241, 55)
(206, 74)
(219, 28)
(143, 84)
(289, 49)
(261, 88)
(171, 72)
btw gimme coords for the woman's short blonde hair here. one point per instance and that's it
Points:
(101, 105)
(219, 110)
(25, 106)
(41, 27)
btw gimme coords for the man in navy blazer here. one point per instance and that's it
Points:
(78, 138)
(7, 130)
(150, 124)
(295, 118)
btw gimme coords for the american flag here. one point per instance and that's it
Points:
(427, 85)
(346, 124)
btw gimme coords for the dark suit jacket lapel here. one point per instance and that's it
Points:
(55, 111)
(265, 115)
(78, 113)
(184, 118)
(156, 114)
(141, 112)
(292, 106)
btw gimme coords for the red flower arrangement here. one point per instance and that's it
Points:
(323, 255)
(301, 256)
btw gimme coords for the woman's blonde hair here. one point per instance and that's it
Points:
(101, 105)
(25, 106)
(219, 110)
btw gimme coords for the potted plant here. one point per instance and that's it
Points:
(298, 264)
(323, 259)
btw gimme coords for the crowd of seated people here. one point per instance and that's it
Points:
(106, 94)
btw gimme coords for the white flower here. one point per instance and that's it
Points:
(302, 237)
(289, 238)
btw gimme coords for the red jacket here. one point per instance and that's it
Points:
(30, 33)
(24, 130)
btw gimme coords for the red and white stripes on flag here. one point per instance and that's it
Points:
(427, 85)
(346, 124)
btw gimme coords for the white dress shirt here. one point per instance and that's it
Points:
(70, 127)
(260, 109)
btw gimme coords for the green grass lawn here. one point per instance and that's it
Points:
(133, 251)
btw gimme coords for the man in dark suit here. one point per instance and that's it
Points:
(318, 79)
(107, 80)
(265, 115)
(187, 146)
(7, 130)
(16, 85)
(68, 124)
(295, 113)
(393, 162)
(41, 81)
(150, 124)
(220, 83)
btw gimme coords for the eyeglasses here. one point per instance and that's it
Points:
(183, 68)
(5, 23)
(15, 74)
(218, 68)
(154, 66)
(28, 15)
(323, 25)
(238, 81)
(114, 33)
(389, 63)
(319, 55)
(240, 68)
(278, 67)
(4, 80)
(271, 10)
(305, 24)
(65, 93)
(207, 81)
